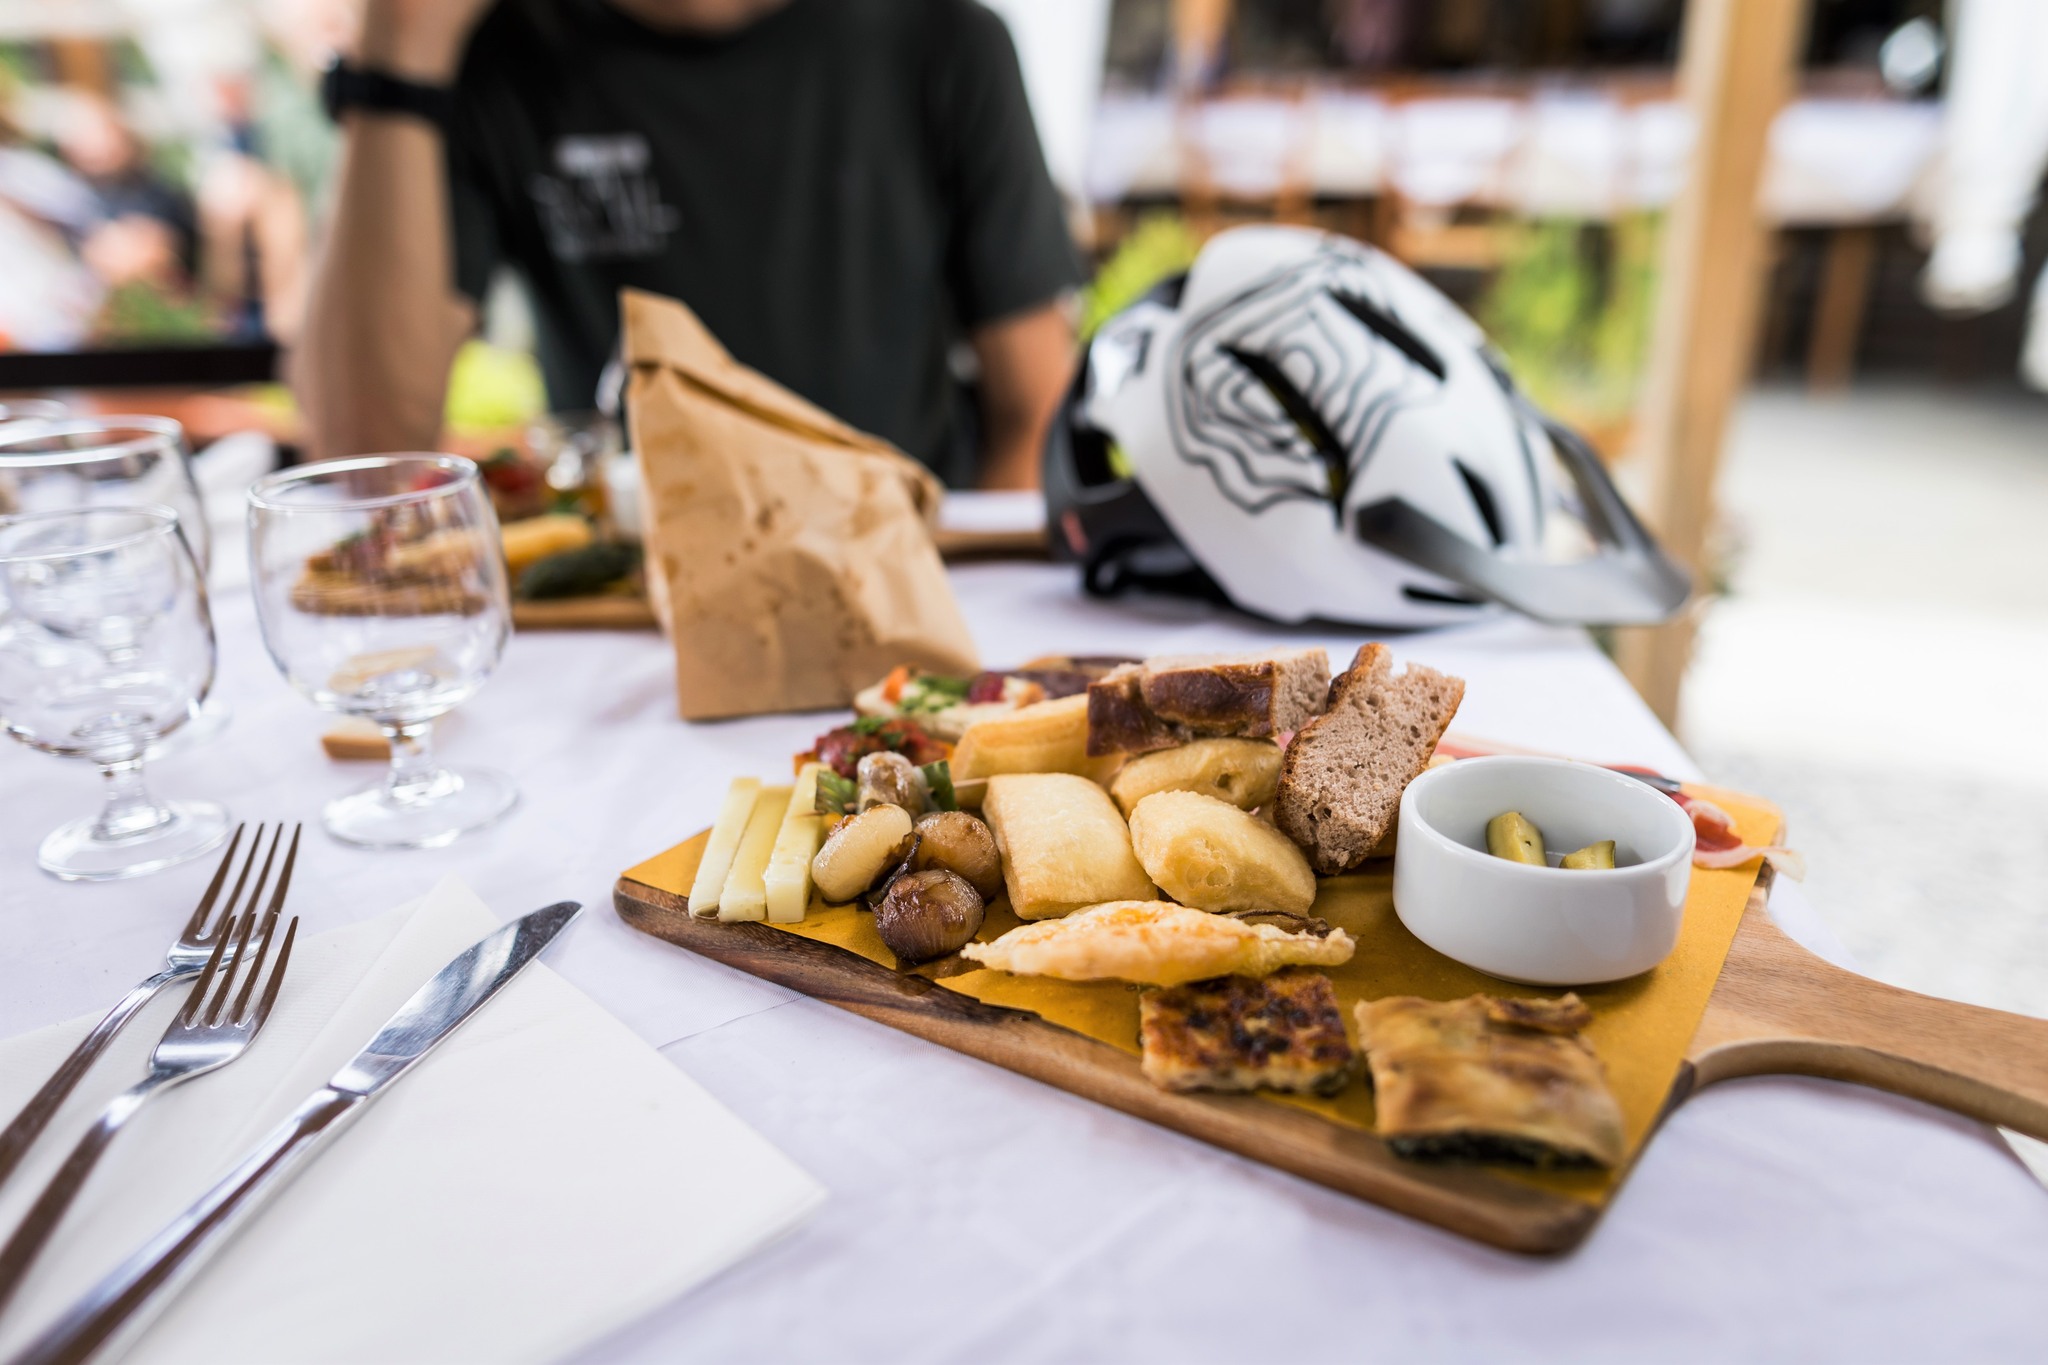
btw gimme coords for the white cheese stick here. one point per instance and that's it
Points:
(724, 842)
(745, 895)
(788, 879)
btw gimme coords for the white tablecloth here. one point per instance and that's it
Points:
(975, 1215)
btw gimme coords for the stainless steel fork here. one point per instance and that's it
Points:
(220, 1019)
(185, 959)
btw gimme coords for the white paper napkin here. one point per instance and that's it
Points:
(542, 1179)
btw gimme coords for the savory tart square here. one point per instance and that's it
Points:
(1284, 1032)
(1490, 1079)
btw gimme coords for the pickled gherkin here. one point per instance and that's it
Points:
(1509, 835)
(1592, 856)
(577, 573)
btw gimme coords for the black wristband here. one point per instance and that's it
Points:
(344, 87)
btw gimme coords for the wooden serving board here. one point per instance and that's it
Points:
(1774, 1008)
(962, 546)
(598, 611)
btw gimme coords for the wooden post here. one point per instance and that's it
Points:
(1736, 67)
(1838, 307)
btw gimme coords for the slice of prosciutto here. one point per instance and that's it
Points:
(1716, 844)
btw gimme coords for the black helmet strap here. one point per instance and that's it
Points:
(1146, 564)
(1628, 581)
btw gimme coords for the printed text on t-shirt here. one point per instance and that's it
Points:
(603, 203)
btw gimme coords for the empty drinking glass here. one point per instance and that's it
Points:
(58, 464)
(577, 450)
(61, 463)
(32, 410)
(108, 647)
(380, 586)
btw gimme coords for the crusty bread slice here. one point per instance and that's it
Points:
(1342, 777)
(1119, 722)
(1168, 701)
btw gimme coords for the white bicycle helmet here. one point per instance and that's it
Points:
(1311, 431)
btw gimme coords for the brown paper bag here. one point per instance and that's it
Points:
(789, 556)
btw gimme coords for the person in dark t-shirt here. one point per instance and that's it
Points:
(841, 189)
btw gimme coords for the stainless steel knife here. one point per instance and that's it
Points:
(130, 1297)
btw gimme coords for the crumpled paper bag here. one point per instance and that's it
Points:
(789, 556)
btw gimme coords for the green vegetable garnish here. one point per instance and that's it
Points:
(868, 725)
(836, 795)
(931, 694)
(939, 777)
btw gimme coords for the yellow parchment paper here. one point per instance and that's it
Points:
(1641, 1027)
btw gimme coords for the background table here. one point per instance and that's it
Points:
(975, 1215)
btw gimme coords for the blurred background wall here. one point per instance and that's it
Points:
(162, 165)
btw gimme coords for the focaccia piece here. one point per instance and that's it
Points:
(1237, 1033)
(1168, 701)
(1210, 855)
(1244, 772)
(1063, 842)
(1490, 1079)
(1157, 943)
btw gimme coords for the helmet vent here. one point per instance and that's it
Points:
(1440, 599)
(1482, 498)
(1093, 464)
(1167, 292)
(1391, 330)
(1309, 422)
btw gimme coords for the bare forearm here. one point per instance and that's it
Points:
(384, 319)
(1010, 458)
(1026, 362)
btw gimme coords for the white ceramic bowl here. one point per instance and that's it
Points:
(1544, 926)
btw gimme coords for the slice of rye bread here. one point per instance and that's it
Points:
(1167, 701)
(1342, 777)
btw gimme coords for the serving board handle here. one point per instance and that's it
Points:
(1779, 1009)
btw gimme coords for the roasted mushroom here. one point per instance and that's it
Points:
(928, 915)
(892, 780)
(957, 842)
(860, 850)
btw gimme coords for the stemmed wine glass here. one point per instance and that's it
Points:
(60, 463)
(108, 648)
(63, 463)
(380, 586)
